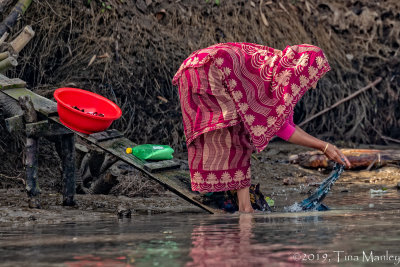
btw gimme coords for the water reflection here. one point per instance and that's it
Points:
(230, 245)
(91, 260)
(215, 240)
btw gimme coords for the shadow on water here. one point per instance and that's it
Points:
(360, 230)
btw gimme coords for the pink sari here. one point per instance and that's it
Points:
(229, 84)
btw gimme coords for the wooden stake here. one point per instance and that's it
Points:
(342, 101)
(31, 153)
(8, 63)
(65, 146)
(22, 39)
(30, 115)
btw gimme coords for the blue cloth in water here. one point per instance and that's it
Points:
(314, 201)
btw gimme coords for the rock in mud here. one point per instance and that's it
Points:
(398, 186)
(34, 203)
(124, 212)
(288, 181)
(311, 180)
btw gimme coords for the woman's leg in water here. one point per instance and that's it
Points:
(244, 200)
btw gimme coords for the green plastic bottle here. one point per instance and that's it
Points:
(151, 152)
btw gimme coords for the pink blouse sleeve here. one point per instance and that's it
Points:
(287, 129)
(290, 120)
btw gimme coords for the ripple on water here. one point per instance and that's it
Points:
(266, 239)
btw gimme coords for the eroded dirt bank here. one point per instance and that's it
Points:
(130, 52)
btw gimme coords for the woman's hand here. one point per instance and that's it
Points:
(333, 153)
(302, 138)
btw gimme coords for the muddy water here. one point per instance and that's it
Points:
(361, 230)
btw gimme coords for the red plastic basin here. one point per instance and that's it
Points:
(68, 98)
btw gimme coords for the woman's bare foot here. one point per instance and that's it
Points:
(247, 211)
(244, 200)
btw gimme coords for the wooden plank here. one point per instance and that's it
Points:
(36, 128)
(178, 181)
(40, 103)
(45, 128)
(162, 165)
(7, 83)
(106, 135)
(15, 123)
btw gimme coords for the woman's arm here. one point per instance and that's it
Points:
(300, 137)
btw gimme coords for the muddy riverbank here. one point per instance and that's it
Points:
(285, 183)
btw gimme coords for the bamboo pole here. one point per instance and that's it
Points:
(18, 10)
(4, 55)
(22, 39)
(3, 38)
(342, 101)
(8, 63)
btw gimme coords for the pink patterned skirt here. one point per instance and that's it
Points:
(220, 160)
(219, 147)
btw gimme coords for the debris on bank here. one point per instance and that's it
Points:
(359, 158)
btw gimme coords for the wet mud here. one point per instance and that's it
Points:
(285, 183)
